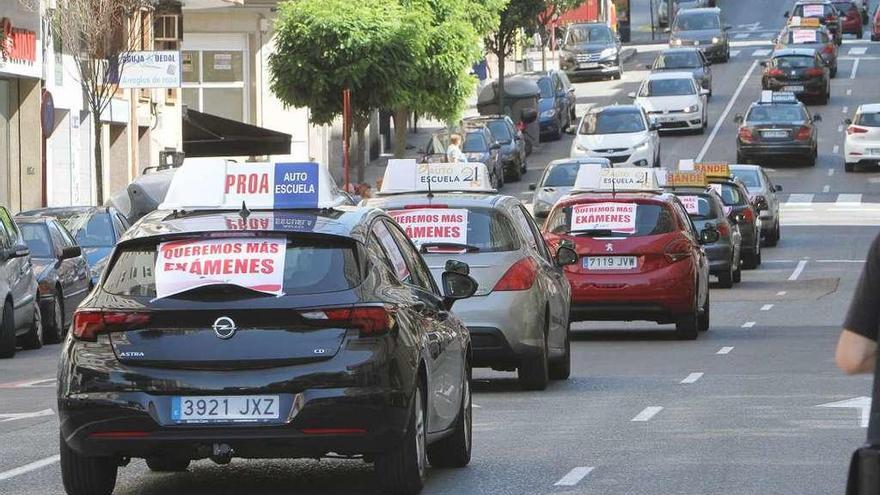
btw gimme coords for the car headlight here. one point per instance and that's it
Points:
(641, 147)
(608, 53)
(675, 42)
(548, 114)
(691, 109)
(716, 40)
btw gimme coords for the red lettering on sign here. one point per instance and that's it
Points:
(16, 44)
(247, 183)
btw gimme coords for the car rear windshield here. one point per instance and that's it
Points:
(488, 230)
(90, 230)
(730, 194)
(668, 87)
(500, 131)
(794, 62)
(700, 206)
(36, 236)
(578, 35)
(680, 60)
(868, 119)
(311, 266)
(651, 219)
(562, 175)
(819, 37)
(612, 123)
(776, 113)
(696, 21)
(474, 142)
(812, 10)
(751, 178)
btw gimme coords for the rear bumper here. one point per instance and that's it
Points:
(813, 87)
(776, 150)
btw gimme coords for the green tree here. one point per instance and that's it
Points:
(517, 15)
(326, 46)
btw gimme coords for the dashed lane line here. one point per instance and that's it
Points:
(575, 476)
(826, 188)
(692, 378)
(855, 69)
(844, 110)
(781, 293)
(763, 52)
(766, 307)
(797, 270)
(724, 350)
(646, 414)
(27, 468)
(748, 324)
(734, 53)
(831, 170)
(726, 111)
(857, 50)
(849, 92)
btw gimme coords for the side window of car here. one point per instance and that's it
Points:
(684, 219)
(392, 252)
(65, 235)
(5, 240)
(57, 238)
(531, 232)
(11, 235)
(420, 275)
(123, 221)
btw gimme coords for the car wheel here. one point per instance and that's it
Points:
(454, 451)
(53, 329)
(813, 158)
(687, 326)
(703, 321)
(402, 469)
(7, 332)
(87, 475)
(860, 34)
(167, 464)
(849, 167)
(619, 74)
(533, 371)
(500, 175)
(561, 368)
(725, 278)
(737, 273)
(34, 338)
(772, 239)
(834, 72)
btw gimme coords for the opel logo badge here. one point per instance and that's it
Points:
(224, 327)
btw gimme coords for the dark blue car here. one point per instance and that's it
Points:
(556, 104)
(95, 228)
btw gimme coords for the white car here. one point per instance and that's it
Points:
(674, 100)
(621, 133)
(862, 145)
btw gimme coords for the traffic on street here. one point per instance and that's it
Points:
(635, 288)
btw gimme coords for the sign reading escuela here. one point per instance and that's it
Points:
(149, 69)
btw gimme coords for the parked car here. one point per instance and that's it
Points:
(800, 71)
(851, 17)
(685, 59)
(478, 146)
(591, 49)
(513, 144)
(702, 28)
(762, 192)
(862, 144)
(674, 101)
(96, 230)
(817, 38)
(556, 181)
(62, 273)
(624, 134)
(20, 319)
(556, 104)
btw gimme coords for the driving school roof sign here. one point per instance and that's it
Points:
(616, 179)
(713, 169)
(406, 176)
(684, 178)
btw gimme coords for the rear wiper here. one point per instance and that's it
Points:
(592, 233)
(467, 247)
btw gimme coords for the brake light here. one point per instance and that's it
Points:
(829, 48)
(370, 320)
(88, 323)
(723, 229)
(677, 250)
(745, 135)
(803, 134)
(520, 276)
(421, 207)
(814, 72)
(775, 73)
(853, 129)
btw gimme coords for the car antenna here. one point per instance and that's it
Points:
(430, 192)
(244, 212)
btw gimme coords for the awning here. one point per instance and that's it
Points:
(209, 135)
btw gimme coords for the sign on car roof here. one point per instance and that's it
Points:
(407, 176)
(592, 177)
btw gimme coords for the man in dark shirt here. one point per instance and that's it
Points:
(857, 347)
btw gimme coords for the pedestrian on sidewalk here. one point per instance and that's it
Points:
(481, 70)
(453, 151)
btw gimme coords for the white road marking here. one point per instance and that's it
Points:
(840, 261)
(748, 324)
(826, 188)
(848, 199)
(863, 404)
(648, 413)
(858, 50)
(734, 53)
(5, 475)
(574, 476)
(778, 261)
(855, 69)
(849, 92)
(724, 350)
(4, 417)
(763, 52)
(741, 36)
(766, 307)
(692, 378)
(39, 383)
(726, 111)
(798, 270)
(840, 128)
(781, 293)
(799, 199)
(844, 110)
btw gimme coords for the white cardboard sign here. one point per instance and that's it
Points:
(616, 217)
(253, 263)
(150, 69)
(433, 225)
(803, 36)
(814, 10)
(691, 204)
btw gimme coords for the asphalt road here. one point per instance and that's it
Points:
(735, 412)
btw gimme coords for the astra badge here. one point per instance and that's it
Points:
(609, 248)
(224, 327)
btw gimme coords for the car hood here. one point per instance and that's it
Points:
(660, 103)
(700, 34)
(604, 141)
(588, 47)
(95, 254)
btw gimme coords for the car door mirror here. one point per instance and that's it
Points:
(738, 119)
(649, 66)
(847, 121)
(817, 118)
(528, 115)
(785, 15)
(572, 129)
(565, 253)
(533, 187)
(495, 146)
(457, 285)
(71, 252)
(655, 126)
(709, 235)
(777, 188)
(704, 92)
(17, 251)
(763, 63)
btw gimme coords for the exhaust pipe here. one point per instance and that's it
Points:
(222, 453)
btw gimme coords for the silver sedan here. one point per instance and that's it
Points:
(556, 181)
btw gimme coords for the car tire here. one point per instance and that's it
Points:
(705, 316)
(833, 73)
(402, 470)
(87, 475)
(772, 239)
(619, 74)
(860, 34)
(561, 368)
(53, 328)
(849, 167)
(7, 332)
(750, 261)
(813, 158)
(737, 273)
(34, 338)
(516, 174)
(167, 464)
(725, 278)
(686, 328)
(454, 450)
(534, 371)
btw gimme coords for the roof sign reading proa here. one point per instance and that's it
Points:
(713, 169)
(226, 185)
(407, 176)
(625, 179)
(683, 178)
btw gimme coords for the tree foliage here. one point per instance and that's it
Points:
(517, 15)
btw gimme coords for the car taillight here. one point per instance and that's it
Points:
(520, 276)
(677, 250)
(370, 320)
(814, 72)
(723, 229)
(829, 48)
(775, 73)
(760, 202)
(89, 323)
(745, 135)
(853, 129)
(748, 215)
(803, 134)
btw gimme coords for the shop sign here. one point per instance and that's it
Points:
(150, 69)
(17, 45)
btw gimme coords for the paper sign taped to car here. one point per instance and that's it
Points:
(252, 263)
(813, 10)
(616, 217)
(691, 204)
(803, 36)
(442, 226)
(627, 179)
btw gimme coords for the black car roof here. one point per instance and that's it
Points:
(681, 49)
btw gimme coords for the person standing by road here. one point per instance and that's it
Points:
(453, 151)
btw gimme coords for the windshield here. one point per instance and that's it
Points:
(696, 21)
(751, 178)
(812, 10)
(776, 113)
(794, 62)
(500, 131)
(487, 230)
(649, 220)
(612, 123)
(579, 35)
(668, 87)
(868, 119)
(474, 142)
(36, 236)
(845, 7)
(562, 175)
(310, 266)
(546, 88)
(730, 194)
(680, 60)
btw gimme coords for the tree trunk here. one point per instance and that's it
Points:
(543, 55)
(401, 118)
(97, 127)
(501, 56)
(361, 152)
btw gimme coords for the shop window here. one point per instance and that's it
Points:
(213, 82)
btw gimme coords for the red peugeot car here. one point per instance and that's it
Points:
(850, 17)
(640, 258)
